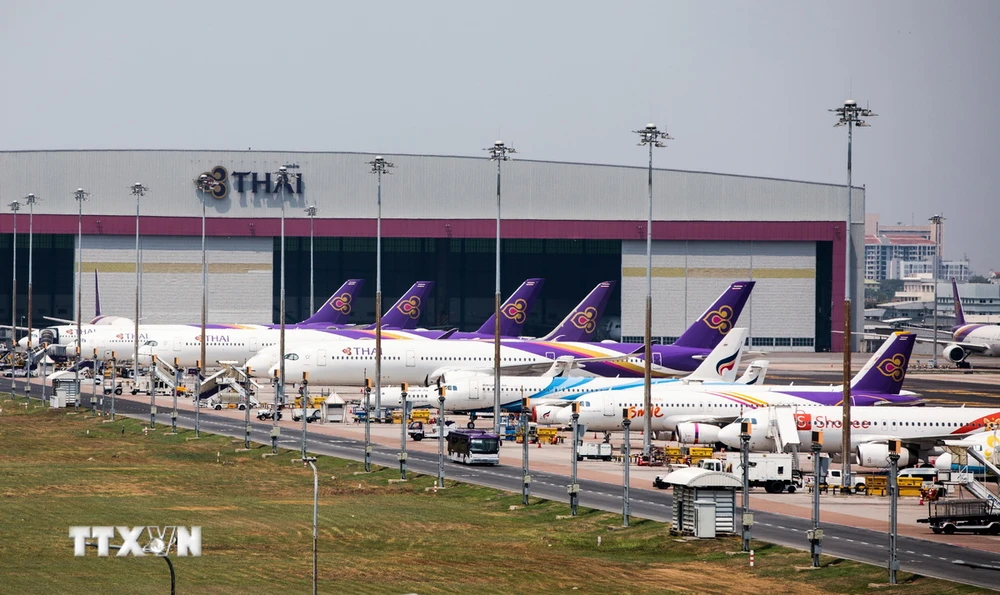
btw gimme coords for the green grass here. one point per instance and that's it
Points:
(58, 470)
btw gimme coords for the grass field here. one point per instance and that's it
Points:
(58, 470)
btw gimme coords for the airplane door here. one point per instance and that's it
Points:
(177, 344)
(474, 391)
(609, 406)
(411, 359)
(656, 359)
(321, 357)
(253, 345)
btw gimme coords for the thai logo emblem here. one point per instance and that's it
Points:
(346, 351)
(586, 319)
(515, 310)
(341, 303)
(726, 364)
(221, 176)
(893, 367)
(410, 307)
(720, 320)
(803, 420)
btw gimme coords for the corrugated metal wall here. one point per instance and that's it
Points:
(421, 187)
(239, 278)
(689, 276)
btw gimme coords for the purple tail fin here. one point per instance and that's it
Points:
(337, 309)
(97, 296)
(514, 310)
(712, 326)
(405, 313)
(886, 369)
(959, 312)
(582, 321)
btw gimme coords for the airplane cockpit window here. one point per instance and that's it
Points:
(151, 344)
(291, 356)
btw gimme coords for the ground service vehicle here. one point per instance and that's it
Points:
(593, 450)
(771, 471)
(419, 430)
(474, 447)
(974, 516)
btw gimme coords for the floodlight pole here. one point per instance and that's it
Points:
(138, 190)
(574, 488)
(651, 136)
(177, 380)
(15, 206)
(30, 200)
(936, 220)
(850, 115)
(311, 212)
(114, 380)
(745, 461)
(246, 410)
(499, 152)
(816, 535)
(525, 431)
(626, 456)
(94, 390)
(207, 185)
(894, 448)
(379, 166)
(80, 196)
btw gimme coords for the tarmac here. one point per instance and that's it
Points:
(870, 512)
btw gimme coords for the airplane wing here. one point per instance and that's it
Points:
(62, 320)
(971, 347)
(551, 369)
(20, 328)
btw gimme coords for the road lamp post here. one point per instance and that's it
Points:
(138, 190)
(403, 393)
(30, 200)
(894, 450)
(850, 115)
(304, 403)
(650, 136)
(499, 152)
(15, 207)
(936, 220)
(745, 462)
(80, 195)
(440, 478)
(525, 435)
(311, 461)
(207, 185)
(368, 425)
(311, 212)
(379, 166)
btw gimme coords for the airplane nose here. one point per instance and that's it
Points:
(730, 435)
(23, 342)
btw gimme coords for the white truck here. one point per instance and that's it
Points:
(771, 471)
(834, 479)
(593, 450)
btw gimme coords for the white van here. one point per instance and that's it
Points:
(926, 473)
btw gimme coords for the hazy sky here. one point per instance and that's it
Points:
(744, 87)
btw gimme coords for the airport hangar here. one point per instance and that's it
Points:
(573, 224)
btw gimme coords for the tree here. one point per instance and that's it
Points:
(978, 279)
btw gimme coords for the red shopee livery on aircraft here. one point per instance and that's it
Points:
(920, 429)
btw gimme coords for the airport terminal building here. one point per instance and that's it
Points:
(573, 224)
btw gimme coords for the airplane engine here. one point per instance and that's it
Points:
(48, 336)
(550, 415)
(943, 462)
(697, 433)
(954, 353)
(877, 455)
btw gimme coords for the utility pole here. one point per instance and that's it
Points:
(368, 425)
(304, 403)
(626, 456)
(574, 487)
(936, 220)
(440, 479)
(650, 135)
(403, 391)
(745, 461)
(816, 534)
(894, 450)
(525, 431)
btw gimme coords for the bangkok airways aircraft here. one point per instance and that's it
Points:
(415, 362)
(696, 411)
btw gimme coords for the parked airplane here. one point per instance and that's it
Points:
(987, 443)
(982, 339)
(696, 411)
(65, 333)
(414, 362)
(920, 429)
(475, 393)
